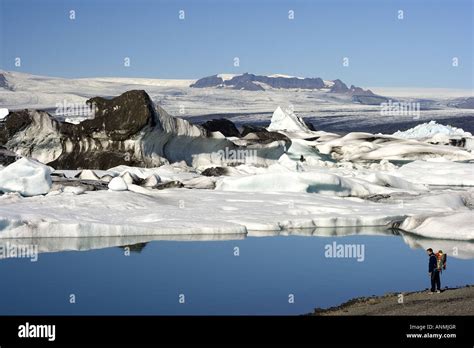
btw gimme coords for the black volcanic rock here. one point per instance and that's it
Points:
(248, 128)
(458, 142)
(118, 118)
(263, 136)
(215, 171)
(273, 136)
(7, 157)
(169, 184)
(126, 130)
(209, 81)
(109, 158)
(226, 127)
(13, 123)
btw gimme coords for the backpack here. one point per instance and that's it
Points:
(441, 260)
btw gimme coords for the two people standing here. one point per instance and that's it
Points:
(436, 263)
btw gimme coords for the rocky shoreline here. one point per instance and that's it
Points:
(451, 301)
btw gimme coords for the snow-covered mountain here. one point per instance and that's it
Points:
(252, 82)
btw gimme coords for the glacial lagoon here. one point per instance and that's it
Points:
(266, 273)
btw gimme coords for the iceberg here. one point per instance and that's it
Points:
(27, 177)
(287, 121)
(313, 182)
(458, 226)
(430, 129)
(118, 184)
(3, 112)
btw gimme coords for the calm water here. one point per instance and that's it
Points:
(214, 280)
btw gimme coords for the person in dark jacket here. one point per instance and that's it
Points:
(433, 272)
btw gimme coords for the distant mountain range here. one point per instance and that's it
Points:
(44, 92)
(252, 82)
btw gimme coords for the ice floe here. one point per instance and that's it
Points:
(27, 177)
(448, 226)
(287, 121)
(183, 211)
(430, 129)
(303, 179)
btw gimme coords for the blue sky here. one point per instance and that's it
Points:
(382, 50)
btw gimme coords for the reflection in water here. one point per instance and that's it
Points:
(134, 248)
(215, 279)
(46, 245)
(457, 249)
(328, 232)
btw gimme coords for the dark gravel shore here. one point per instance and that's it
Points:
(455, 301)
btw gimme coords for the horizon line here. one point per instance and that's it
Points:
(225, 73)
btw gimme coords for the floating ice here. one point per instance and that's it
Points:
(444, 173)
(27, 177)
(456, 226)
(316, 182)
(428, 130)
(287, 121)
(3, 112)
(118, 184)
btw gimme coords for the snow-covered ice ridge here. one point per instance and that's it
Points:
(322, 180)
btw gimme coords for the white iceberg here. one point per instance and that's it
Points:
(360, 146)
(287, 121)
(315, 182)
(118, 184)
(437, 173)
(185, 212)
(458, 226)
(3, 112)
(430, 129)
(27, 177)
